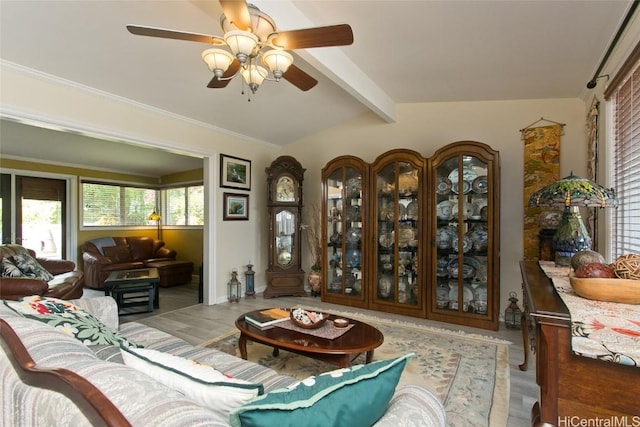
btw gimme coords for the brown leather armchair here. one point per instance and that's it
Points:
(108, 254)
(67, 283)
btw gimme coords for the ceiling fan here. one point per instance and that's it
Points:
(254, 42)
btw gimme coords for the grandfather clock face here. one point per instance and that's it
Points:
(285, 189)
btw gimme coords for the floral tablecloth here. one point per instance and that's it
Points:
(600, 330)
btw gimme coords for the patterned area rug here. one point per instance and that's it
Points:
(468, 372)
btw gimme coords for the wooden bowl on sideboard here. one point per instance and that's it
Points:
(624, 291)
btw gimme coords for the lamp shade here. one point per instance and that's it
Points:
(154, 216)
(241, 43)
(574, 191)
(254, 74)
(278, 62)
(218, 60)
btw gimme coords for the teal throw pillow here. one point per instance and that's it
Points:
(68, 318)
(356, 396)
(31, 268)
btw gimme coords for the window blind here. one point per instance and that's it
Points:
(625, 175)
(116, 205)
(41, 188)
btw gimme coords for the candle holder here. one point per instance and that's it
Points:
(234, 287)
(512, 314)
(249, 275)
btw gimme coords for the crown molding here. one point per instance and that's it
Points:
(35, 118)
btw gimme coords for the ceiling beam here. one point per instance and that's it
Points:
(332, 62)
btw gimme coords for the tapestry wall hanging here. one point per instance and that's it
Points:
(592, 167)
(541, 168)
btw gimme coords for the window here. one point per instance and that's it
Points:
(108, 205)
(625, 158)
(184, 205)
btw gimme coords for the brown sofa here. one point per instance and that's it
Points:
(108, 254)
(66, 284)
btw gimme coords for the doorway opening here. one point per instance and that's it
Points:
(34, 214)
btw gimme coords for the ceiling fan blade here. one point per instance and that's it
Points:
(333, 35)
(299, 78)
(172, 34)
(237, 13)
(216, 83)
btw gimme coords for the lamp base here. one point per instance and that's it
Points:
(571, 236)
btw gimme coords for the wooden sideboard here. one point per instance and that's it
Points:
(573, 388)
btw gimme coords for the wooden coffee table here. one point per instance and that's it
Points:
(341, 351)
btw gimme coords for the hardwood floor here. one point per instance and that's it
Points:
(182, 316)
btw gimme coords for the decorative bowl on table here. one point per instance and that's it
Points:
(625, 291)
(341, 323)
(308, 319)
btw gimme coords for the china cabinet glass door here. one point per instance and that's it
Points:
(465, 246)
(344, 186)
(397, 256)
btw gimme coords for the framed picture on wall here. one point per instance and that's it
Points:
(236, 207)
(235, 172)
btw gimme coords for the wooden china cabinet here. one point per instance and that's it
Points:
(464, 219)
(345, 199)
(397, 256)
(415, 236)
(284, 185)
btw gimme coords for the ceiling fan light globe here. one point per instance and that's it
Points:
(217, 60)
(241, 43)
(278, 61)
(254, 75)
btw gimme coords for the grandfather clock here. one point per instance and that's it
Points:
(284, 185)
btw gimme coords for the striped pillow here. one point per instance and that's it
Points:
(201, 383)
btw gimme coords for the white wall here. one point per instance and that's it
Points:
(229, 244)
(421, 127)
(427, 127)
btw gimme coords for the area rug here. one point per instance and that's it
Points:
(468, 372)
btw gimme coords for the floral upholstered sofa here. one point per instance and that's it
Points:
(153, 378)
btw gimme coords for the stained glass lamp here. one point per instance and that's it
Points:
(155, 216)
(569, 194)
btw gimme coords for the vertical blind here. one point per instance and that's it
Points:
(625, 170)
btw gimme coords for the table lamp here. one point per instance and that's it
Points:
(569, 194)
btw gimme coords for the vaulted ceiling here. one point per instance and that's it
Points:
(404, 52)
